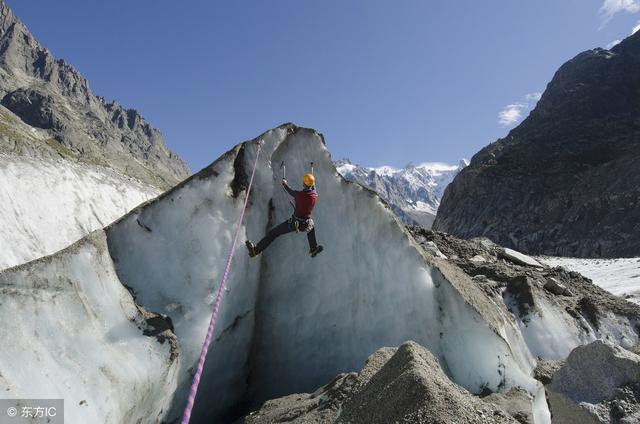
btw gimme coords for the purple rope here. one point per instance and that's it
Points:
(186, 416)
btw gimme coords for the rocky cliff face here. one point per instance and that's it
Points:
(565, 182)
(52, 97)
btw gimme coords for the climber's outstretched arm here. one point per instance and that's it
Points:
(291, 192)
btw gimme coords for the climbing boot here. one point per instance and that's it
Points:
(251, 248)
(314, 252)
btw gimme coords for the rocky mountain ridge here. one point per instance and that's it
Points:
(565, 181)
(52, 97)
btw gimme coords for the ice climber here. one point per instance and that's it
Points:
(299, 221)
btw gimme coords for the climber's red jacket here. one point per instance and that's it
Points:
(305, 201)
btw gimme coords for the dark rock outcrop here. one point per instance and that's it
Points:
(51, 95)
(564, 182)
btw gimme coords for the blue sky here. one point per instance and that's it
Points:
(387, 82)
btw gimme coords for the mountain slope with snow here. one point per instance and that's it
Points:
(413, 192)
(70, 163)
(288, 323)
(48, 201)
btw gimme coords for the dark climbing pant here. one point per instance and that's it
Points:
(284, 228)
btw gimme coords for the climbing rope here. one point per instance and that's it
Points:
(186, 416)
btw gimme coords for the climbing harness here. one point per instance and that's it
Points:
(300, 224)
(186, 416)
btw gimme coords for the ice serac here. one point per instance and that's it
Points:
(72, 331)
(289, 323)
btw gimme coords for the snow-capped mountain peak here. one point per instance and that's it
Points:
(414, 192)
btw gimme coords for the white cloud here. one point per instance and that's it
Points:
(513, 113)
(616, 42)
(611, 7)
(533, 97)
(612, 44)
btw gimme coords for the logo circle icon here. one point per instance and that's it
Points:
(12, 412)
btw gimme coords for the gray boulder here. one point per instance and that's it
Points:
(516, 402)
(545, 369)
(519, 258)
(599, 383)
(556, 287)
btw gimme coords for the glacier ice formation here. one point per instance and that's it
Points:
(289, 323)
(72, 331)
(47, 204)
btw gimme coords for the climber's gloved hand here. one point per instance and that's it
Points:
(284, 182)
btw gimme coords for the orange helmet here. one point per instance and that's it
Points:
(309, 180)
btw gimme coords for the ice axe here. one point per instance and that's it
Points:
(284, 177)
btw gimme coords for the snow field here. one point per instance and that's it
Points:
(619, 276)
